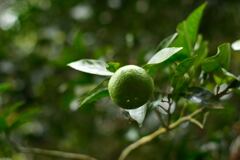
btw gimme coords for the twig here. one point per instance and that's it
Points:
(55, 153)
(182, 111)
(205, 118)
(196, 122)
(169, 111)
(155, 134)
(220, 94)
(225, 91)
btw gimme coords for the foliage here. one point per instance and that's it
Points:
(47, 105)
(190, 62)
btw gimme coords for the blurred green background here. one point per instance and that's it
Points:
(38, 38)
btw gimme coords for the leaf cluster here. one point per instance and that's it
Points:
(193, 75)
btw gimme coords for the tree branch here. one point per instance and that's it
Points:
(205, 118)
(55, 153)
(155, 134)
(196, 122)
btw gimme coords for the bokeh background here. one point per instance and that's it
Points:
(38, 38)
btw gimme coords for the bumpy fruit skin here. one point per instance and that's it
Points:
(130, 87)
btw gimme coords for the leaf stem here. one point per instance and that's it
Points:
(161, 118)
(196, 122)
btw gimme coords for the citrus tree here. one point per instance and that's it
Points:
(196, 82)
(180, 81)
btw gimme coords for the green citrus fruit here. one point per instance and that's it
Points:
(130, 87)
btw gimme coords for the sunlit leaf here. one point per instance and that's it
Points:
(138, 114)
(91, 66)
(219, 88)
(163, 55)
(228, 74)
(199, 95)
(163, 106)
(218, 80)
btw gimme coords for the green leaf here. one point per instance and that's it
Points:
(97, 93)
(12, 108)
(180, 80)
(184, 66)
(180, 84)
(201, 51)
(113, 66)
(224, 77)
(24, 117)
(5, 87)
(210, 64)
(101, 93)
(164, 55)
(5, 113)
(166, 42)
(3, 124)
(91, 66)
(218, 61)
(218, 80)
(188, 30)
(224, 55)
(199, 95)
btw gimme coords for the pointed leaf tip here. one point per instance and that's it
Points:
(91, 66)
(164, 55)
(188, 31)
